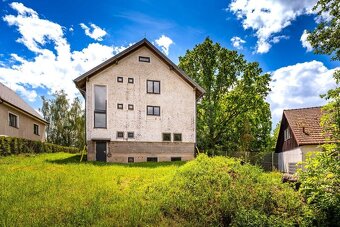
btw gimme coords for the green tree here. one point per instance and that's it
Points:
(233, 114)
(325, 37)
(66, 121)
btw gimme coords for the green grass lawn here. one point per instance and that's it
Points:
(55, 189)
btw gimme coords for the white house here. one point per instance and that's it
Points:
(139, 107)
(300, 133)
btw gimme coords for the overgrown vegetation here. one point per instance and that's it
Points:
(55, 189)
(13, 145)
(320, 186)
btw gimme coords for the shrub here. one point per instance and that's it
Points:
(220, 192)
(320, 185)
(13, 145)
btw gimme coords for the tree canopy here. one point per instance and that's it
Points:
(233, 114)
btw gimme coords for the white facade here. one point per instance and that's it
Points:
(296, 155)
(177, 101)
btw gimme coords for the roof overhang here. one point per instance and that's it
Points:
(81, 80)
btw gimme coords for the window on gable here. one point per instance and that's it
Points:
(120, 79)
(153, 87)
(99, 106)
(166, 137)
(130, 80)
(177, 137)
(144, 59)
(36, 129)
(153, 110)
(286, 134)
(13, 120)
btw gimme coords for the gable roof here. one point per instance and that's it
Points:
(305, 125)
(81, 80)
(11, 98)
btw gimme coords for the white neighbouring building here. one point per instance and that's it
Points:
(139, 107)
(300, 133)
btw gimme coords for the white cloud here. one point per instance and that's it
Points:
(97, 32)
(298, 86)
(268, 17)
(305, 43)
(164, 42)
(237, 42)
(51, 70)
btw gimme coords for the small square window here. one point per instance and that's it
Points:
(131, 80)
(176, 159)
(120, 106)
(120, 134)
(152, 159)
(36, 129)
(130, 107)
(177, 136)
(131, 159)
(167, 137)
(120, 79)
(144, 59)
(131, 135)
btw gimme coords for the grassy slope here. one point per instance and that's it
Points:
(56, 189)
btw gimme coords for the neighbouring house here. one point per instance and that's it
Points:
(139, 107)
(300, 133)
(18, 119)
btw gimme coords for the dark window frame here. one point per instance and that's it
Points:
(133, 135)
(153, 87)
(14, 124)
(152, 159)
(98, 111)
(120, 106)
(176, 134)
(144, 59)
(165, 134)
(153, 110)
(131, 159)
(118, 135)
(176, 159)
(36, 129)
(131, 80)
(120, 79)
(131, 107)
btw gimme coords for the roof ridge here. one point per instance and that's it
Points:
(304, 108)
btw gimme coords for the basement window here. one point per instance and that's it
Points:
(176, 159)
(166, 137)
(144, 59)
(152, 159)
(131, 135)
(131, 159)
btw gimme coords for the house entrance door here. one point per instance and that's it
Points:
(101, 151)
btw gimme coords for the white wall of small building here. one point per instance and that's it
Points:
(177, 101)
(296, 155)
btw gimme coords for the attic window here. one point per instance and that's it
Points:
(144, 59)
(286, 134)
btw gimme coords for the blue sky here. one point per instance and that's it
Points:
(46, 44)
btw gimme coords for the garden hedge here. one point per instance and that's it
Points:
(13, 145)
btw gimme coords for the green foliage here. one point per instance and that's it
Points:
(325, 38)
(13, 145)
(320, 185)
(66, 120)
(233, 114)
(55, 189)
(222, 192)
